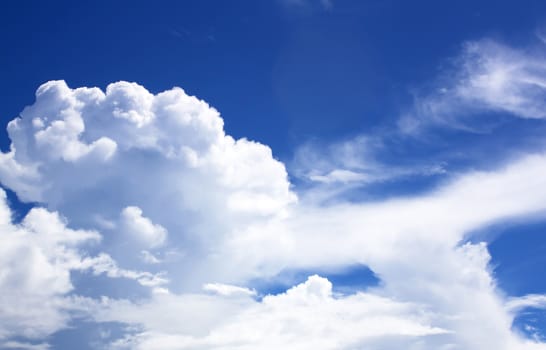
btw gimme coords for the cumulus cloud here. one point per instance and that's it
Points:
(226, 289)
(307, 316)
(165, 164)
(415, 246)
(527, 301)
(37, 257)
(437, 291)
(170, 130)
(140, 166)
(487, 77)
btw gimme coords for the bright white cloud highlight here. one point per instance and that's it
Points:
(142, 228)
(227, 290)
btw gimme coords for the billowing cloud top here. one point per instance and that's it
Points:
(175, 137)
(151, 168)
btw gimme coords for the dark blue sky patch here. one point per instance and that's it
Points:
(532, 323)
(519, 258)
(19, 209)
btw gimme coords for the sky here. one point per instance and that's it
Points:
(273, 174)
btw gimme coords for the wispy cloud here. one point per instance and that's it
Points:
(487, 77)
(527, 301)
(354, 162)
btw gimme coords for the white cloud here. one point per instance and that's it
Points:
(339, 175)
(353, 162)
(435, 292)
(307, 316)
(149, 258)
(142, 228)
(231, 218)
(172, 131)
(104, 264)
(413, 245)
(527, 301)
(37, 258)
(227, 290)
(368, 231)
(173, 169)
(488, 76)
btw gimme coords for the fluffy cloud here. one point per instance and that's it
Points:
(307, 316)
(133, 223)
(173, 133)
(140, 166)
(415, 245)
(37, 257)
(163, 161)
(527, 301)
(436, 292)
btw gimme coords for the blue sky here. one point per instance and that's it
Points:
(303, 174)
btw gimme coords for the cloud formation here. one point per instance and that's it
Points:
(141, 167)
(37, 257)
(354, 162)
(487, 77)
(196, 216)
(134, 224)
(307, 316)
